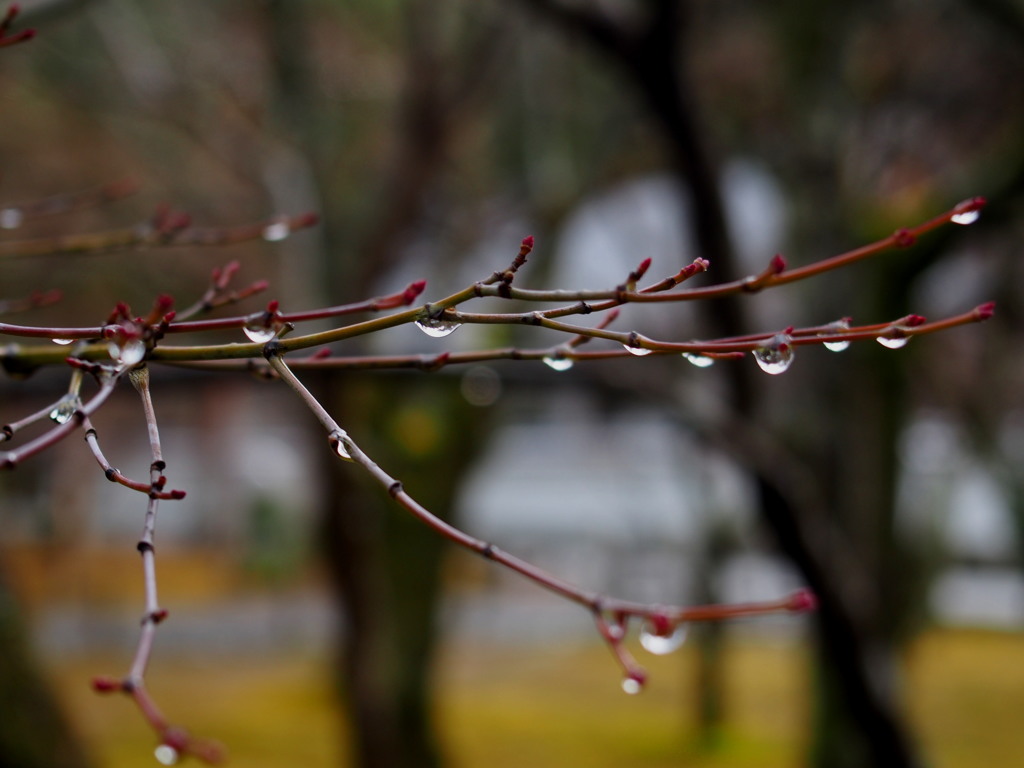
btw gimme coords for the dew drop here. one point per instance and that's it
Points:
(259, 333)
(557, 362)
(436, 327)
(63, 411)
(894, 343)
(277, 231)
(337, 442)
(10, 218)
(632, 686)
(839, 326)
(63, 342)
(165, 754)
(130, 353)
(638, 351)
(662, 644)
(701, 361)
(777, 355)
(965, 218)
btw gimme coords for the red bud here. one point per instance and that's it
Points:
(985, 311)
(803, 600)
(660, 624)
(903, 238)
(105, 684)
(414, 290)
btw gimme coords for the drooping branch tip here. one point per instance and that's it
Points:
(803, 600)
(985, 311)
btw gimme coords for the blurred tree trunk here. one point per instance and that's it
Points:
(856, 717)
(384, 566)
(33, 731)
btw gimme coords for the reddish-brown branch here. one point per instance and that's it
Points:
(12, 215)
(11, 459)
(165, 233)
(599, 604)
(33, 301)
(115, 476)
(172, 738)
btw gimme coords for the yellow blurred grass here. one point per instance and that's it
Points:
(561, 706)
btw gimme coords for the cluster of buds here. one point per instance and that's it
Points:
(129, 338)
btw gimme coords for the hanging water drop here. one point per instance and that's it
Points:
(897, 342)
(662, 644)
(632, 685)
(63, 342)
(436, 327)
(839, 326)
(260, 333)
(165, 754)
(279, 230)
(701, 361)
(777, 355)
(129, 353)
(64, 410)
(337, 443)
(965, 218)
(10, 218)
(557, 362)
(638, 351)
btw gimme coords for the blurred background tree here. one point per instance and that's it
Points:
(420, 130)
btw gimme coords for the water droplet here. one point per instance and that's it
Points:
(10, 218)
(638, 351)
(436, 327)
(965, 218)
(776, 356)
(557, 363)
(632, 686)
(701, 361)
(129, 353)
(337, 442)
(279, 230)
(63, 342)
(895, 343)
(260, 333)
(662, 644)
(64, 410)
(839, 326)
(165, 754)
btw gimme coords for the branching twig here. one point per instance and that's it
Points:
(174, 741)
(128, 345)
(665, 618)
